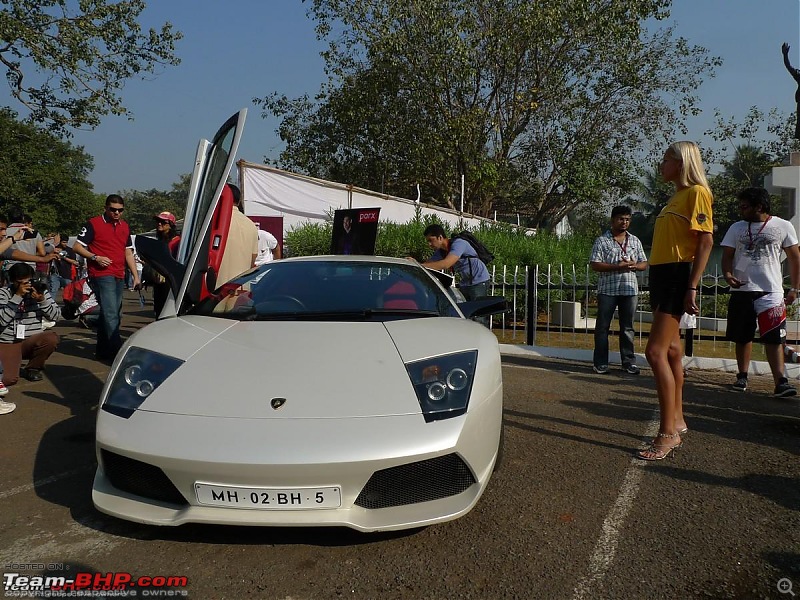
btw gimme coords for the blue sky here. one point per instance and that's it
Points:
(240, 49)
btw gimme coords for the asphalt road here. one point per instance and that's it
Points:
(570, 514)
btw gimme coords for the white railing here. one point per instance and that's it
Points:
(561, 299)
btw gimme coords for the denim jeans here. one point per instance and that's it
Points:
(108, 291)
(57, 282)
(626, 306)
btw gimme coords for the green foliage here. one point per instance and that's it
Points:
(754, 156)
(653, 195)
(141, 207)
(402, 240)
(747, 150)
(748, 168)
(309, 239)
(67, 61)
(715, 306)
(541, 106)
(510, 246)
(45, 176)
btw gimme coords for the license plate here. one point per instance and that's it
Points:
(268, 498)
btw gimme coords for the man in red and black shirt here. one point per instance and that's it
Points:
(105, 242)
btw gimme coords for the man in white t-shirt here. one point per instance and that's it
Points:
(268, 248)
(751, 264)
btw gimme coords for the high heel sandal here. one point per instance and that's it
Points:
(659, 452)
(683, 431)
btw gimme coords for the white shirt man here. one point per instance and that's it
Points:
(751, 264)
(268, 248)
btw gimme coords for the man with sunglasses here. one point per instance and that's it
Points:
(105, 242)
(751, 265)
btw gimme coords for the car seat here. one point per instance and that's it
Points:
(401, 295)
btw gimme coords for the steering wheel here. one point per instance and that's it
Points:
(286, 299)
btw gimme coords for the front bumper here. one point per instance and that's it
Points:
(294, 454)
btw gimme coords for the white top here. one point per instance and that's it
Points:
(266, 244)
(89, 301)
(757, 252)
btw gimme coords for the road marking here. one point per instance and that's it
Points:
(47, 480)
(72, 338)
(606, 546)
(529, 367)
(75, 541)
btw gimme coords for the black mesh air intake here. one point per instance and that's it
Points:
(140, 479)
(416, 482)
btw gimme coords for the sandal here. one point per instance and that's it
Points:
(654, 452)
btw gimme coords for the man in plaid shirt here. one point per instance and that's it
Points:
(617, 255)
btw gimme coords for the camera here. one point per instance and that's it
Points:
(29, 235)
(39, 282)
(63, 254)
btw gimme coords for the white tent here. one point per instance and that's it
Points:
(270, 192)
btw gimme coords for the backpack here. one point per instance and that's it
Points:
(73, 297)
(73, 292)
(482, 252)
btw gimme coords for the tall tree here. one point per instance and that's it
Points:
(541, 106)
(652, 194)
(67, 60)
(141, 207)
(45, 176)
(747, 151)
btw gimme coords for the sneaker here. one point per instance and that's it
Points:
(741, 383)
(601, 370)
(48, 324)
(6, 407)
(631, 369)
(3, 389)
(784, 389)
(32, 374)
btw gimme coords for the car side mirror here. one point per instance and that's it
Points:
(483, 307)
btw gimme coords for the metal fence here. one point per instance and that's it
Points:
(555, 304)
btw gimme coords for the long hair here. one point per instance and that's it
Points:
(173, 231)
(692, 170)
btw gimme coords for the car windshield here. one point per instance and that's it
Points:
(329, 290)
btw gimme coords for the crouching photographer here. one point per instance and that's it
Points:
(23, 305)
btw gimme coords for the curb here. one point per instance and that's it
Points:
(728, 365)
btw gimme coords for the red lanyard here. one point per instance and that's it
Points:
(750, 233)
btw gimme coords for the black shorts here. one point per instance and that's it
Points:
(668, 285)
(743, 320)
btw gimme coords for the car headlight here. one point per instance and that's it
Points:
(139, 374)
(443, 384)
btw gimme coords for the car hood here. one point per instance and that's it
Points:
(235, 369)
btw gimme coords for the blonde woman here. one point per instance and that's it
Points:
(682, 242)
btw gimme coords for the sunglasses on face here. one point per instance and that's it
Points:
(163, 222)
(114, 210)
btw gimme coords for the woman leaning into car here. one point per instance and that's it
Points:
(682, 241)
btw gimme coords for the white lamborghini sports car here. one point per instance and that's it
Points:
(338, 390)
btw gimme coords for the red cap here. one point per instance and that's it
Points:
(166, 216)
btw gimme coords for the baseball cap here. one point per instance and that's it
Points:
(165, 216)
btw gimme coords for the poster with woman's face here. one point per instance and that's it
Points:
(355, 231)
